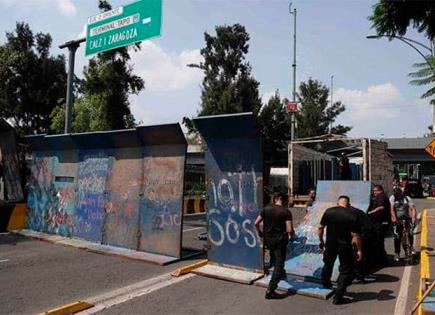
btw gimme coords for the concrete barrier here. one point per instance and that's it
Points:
(121, 188)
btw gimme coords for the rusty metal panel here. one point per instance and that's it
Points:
(91, 187)
(123, 186)
(304, 258)
(162, 202)
(234, 168)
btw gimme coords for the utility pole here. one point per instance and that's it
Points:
(332, 102)
(432, 46)
(294, 13)
(72, 47)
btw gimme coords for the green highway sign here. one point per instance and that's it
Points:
(123, 26)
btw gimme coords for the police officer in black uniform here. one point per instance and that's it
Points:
(342, 230)
(277, 230)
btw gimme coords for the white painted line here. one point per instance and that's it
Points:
(194, 229)
(130, 292)
(4, 260)
(146, 20)
(4, 233)
(402, 297)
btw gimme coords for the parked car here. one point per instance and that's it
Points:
(414, 188)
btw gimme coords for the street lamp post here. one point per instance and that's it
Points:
(410, 42)
(294, 13)
(72, 48)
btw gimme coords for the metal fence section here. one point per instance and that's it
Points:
(304, 258)
(234, 172)
(121, 188)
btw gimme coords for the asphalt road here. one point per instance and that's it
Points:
(36, 276)
(201, 295)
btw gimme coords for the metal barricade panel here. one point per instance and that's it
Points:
(234, 186)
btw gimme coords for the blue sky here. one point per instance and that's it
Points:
(370, 76)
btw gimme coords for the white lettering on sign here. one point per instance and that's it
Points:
(105, 15)
(121, 36)
(125, 21)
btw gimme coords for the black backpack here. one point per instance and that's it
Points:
(402, 208)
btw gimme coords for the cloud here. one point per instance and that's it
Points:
(265, 97)
(172, 90)
(164, 71)
(382, 110)
(382, 100)
(65, 7)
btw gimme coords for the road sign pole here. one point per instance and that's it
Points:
(72, 47)
(293, 118)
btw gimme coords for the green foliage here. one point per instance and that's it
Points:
(315, 116)
(275, 124)
(228, 86)
(88, 111)
(108, 81)
(195, 189)
(32, 81)
(425, 75)
(394, 17)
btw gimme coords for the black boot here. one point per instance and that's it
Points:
(271, 294)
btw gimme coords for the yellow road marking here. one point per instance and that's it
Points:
(69, 308)
(186, 269)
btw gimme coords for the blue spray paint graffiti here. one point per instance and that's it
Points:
(304, 258)
(91, 186)
(41, 192)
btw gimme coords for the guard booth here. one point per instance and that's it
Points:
(118, 188)
(234, 177)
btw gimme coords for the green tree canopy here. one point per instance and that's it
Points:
(275, 127)
(392, 17)
(33, 82)
(315, 116)
(228, 86)
(108, 81)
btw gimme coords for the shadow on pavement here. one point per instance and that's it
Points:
(12, 239)
(383, 295)
(381, 278)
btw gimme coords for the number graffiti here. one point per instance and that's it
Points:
(231, 214)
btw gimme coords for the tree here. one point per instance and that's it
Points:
(393, 18)
(32, 81)
(275, 127)
(228, 86)
(315, 116)
(108, 81)
(425, 75)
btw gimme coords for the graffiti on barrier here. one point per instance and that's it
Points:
(122, 205)
(161, 204)
(90, 200)
(304, 258)
(234, 188)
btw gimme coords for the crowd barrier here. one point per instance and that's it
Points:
(121, 188)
